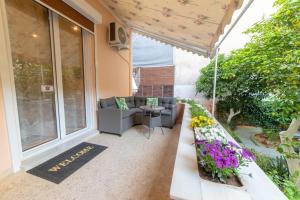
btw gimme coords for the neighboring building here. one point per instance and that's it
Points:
(155, 81)
(163, 70)
(153, 68)
(187, 71)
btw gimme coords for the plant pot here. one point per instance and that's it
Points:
(179, 112)
(235, 182)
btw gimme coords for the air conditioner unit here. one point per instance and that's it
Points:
(117, 36)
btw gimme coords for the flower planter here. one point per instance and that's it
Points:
(218, 159)
(179, 112)
(234, 182)
(187, 183)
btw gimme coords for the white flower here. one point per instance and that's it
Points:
(210, 133)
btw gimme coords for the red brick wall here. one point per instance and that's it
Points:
(157, 76)
(156, 81)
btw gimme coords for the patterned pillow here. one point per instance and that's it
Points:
(121, 102)
(152, 101)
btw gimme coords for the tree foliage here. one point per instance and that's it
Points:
(268, 67)
(274, 50)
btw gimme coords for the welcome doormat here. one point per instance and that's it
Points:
(60, 167)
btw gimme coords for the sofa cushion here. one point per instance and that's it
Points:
(152, 101)
(128, 113)
(108, 103)
(121, 103)
(167, 102)
(130, 101)
(139, 101)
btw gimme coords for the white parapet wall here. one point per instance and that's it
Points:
(187, 184)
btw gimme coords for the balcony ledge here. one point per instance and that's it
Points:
(187, 184)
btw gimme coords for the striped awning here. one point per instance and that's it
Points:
(194, 25)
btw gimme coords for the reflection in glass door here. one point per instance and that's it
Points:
(71, 49)
(30, 40)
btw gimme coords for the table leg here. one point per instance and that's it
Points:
(149, 126)
(162, 130)
(149, 134)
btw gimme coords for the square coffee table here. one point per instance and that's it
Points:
(152, 117)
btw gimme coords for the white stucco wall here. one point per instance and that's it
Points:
(187, 69)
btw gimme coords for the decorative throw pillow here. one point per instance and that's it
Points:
(152, 101)
(121, 102)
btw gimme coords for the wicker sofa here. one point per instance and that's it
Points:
(116, 121)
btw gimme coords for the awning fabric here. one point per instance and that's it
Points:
(193, 25)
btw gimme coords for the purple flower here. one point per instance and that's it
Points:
(219, 164)
(233, 161)
(215, 154)
(218, 142)
(200, 142)
(223, 163)
(227, 151)
(233, 144)
(222, 157)
(247, 154)
(232, 152)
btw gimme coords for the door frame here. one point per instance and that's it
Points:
(10, 101)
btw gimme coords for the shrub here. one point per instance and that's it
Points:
(277, 170)
(272, 133)
(197, 110)
(286, 184)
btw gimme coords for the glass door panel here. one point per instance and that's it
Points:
(30, 40)
(71, 47)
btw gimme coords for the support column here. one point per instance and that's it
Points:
(215, 82)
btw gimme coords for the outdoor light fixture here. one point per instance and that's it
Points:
(34, 35)
(75, 28)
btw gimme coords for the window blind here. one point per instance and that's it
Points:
(68, 11)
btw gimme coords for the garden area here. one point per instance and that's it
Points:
(258, 95)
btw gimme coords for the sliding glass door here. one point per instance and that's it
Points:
(30, 41)
(48, 67)
(71, 45)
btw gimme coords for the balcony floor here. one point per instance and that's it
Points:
(132, 167)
